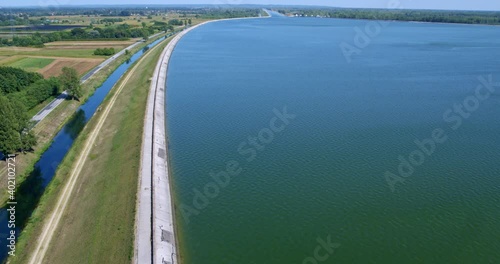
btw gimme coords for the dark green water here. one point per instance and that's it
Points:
(323, 175)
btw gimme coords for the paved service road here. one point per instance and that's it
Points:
(106, 62)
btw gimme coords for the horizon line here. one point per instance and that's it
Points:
(240, 5)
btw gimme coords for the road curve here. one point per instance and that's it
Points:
(155, 239)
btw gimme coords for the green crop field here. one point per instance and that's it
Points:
(70, 53)
(31, 64)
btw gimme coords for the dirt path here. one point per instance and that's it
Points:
(49, 228)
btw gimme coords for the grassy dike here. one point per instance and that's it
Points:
(47, 129)
(98, 224)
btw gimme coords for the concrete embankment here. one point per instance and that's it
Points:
(155, 240)
(57, 101)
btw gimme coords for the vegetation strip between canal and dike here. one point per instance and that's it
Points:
(155, 240)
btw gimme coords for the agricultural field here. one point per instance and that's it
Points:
(50, 59)
(26, 51)
(84, 44)
(82, 66)
(31, 64)
(131, 20)
(74, 49)
(51, 66)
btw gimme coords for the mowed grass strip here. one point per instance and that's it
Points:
(31, 64)
(98, 224)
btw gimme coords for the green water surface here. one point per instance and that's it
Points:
(320, 175)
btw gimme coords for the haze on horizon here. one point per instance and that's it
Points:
(490, 5)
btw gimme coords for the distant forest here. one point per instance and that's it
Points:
(31, 16)
(437, 16)
(122, 31)
(24, 16)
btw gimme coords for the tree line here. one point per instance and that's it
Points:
(18, 20)
(27, 88)
(14, 122)
(122, 31)
(163, 26)
(104, 51)
(14, 79)
(37, 92)
(222, 12)
(179, 22)
(110, 20)
(21, 91)
(441, 16)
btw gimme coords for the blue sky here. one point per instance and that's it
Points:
(411, 4)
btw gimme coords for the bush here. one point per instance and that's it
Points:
(104, 51)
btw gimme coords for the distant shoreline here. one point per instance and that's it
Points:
(402, 21)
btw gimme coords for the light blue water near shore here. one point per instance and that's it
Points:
(323, 175)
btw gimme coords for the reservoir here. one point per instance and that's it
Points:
(367, 143)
